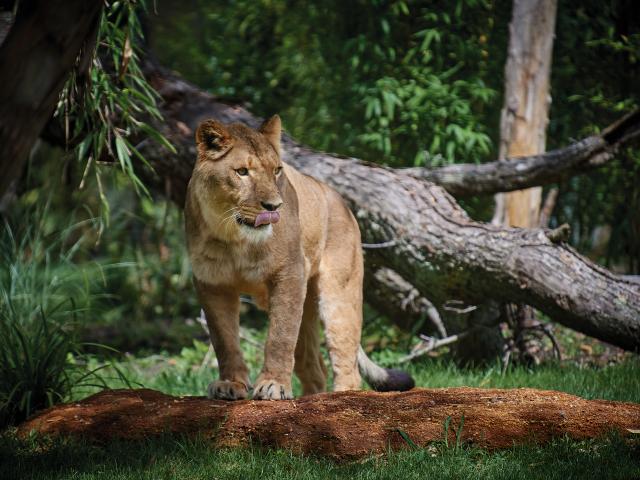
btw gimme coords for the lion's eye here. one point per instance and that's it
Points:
(243, 172)
(278, 171)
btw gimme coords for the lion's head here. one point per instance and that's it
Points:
(239, 177)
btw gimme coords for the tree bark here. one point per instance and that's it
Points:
(36, 58)
(432, 243)
(525, 113)
(346, 425)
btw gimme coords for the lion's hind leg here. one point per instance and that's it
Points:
(340, 307)
(309, 364)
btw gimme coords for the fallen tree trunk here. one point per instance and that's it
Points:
(449, 256)
(428, 239)
(347, 425)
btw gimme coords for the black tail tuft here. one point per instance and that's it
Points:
(383, 379)
(395, 381)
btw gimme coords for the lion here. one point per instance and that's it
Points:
(256, 226)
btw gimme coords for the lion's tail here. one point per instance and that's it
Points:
(383, 379)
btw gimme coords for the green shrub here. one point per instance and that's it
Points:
(43, 297)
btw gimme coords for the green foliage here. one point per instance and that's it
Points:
(594, 73)
(422, 87)
(107, 110)
(426, 117)
(43, 296)
(398, 82)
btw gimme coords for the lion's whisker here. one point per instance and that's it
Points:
(234, 211)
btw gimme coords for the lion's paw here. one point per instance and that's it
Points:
(227, 390)
(272, 390)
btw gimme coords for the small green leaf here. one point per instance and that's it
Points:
(407, 439)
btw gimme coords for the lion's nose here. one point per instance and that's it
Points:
(271, 206)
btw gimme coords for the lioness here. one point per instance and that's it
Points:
(257, 226)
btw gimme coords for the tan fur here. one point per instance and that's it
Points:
(305, 268)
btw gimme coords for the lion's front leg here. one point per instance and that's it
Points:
(221, 307)
(286, 294)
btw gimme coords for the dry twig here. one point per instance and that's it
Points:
(430, 344)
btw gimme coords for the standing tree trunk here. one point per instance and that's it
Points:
(525, 113)
(523, 125)
(36, 58)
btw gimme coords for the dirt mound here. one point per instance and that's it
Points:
(344, 425)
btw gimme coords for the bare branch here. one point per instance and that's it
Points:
(429, 344)
(523, 172)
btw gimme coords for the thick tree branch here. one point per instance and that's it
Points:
(524, 172)
(35, 61)
(437, 247)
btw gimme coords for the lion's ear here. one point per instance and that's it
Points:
(272, 130)
(213, 138)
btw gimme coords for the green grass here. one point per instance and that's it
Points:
(610, 458)
(614, 382)
(191, 459)
(183, 374)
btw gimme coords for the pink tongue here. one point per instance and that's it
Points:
(264, 218)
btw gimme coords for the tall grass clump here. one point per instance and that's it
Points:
(44, 295)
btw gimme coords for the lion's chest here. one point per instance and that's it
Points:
(230, 266)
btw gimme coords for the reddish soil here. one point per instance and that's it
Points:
(347, 425)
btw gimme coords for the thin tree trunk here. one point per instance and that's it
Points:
(526, 106)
